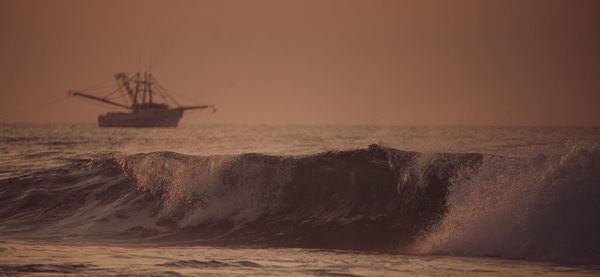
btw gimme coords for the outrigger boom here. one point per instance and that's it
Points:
(144, 112)
(76, 93)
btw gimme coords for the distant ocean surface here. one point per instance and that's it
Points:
(331, 200)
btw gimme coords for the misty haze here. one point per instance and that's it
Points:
(299, 138)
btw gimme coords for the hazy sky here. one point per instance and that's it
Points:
(311, 62)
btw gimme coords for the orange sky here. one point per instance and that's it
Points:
(311, 62)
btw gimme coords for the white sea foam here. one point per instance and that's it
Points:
(536, 208)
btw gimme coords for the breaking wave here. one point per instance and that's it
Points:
(543, 208)
(377, 199)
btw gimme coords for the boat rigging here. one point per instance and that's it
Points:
(144, 111)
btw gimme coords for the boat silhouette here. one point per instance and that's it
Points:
(144, 111)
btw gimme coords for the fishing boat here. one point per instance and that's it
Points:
(143, 111)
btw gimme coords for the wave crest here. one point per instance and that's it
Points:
(375, 198)
(541, 208)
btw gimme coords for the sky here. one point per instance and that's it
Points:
(460, 62)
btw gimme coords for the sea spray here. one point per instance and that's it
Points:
(541, 208)
(377, 198)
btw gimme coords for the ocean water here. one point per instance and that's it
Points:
(237, 200)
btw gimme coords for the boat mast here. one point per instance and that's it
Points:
(145, 88)
(137, 89)
(141, 86)
(149, 81)
(122, 77)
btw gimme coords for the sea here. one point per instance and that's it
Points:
(295, 200)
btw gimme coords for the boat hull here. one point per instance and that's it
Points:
(142, 118)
